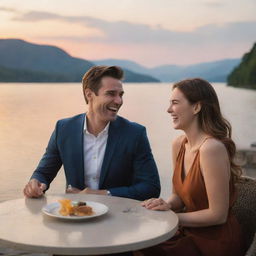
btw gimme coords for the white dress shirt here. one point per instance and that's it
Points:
(94, 151)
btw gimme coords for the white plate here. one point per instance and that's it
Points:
(53, 211)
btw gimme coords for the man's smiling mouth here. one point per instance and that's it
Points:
(113, 109)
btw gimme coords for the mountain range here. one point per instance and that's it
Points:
(216, 71)
(21, 61)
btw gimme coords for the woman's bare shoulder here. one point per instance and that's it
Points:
(213, 146)
(214, 159)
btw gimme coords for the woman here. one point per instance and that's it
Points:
(204, 176)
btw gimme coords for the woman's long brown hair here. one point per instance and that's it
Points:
(210, 118)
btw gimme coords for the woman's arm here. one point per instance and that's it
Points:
(215, 169)
(174, 202)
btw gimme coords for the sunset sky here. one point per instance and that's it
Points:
(150, 32)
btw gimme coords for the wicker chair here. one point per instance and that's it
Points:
(245, 211)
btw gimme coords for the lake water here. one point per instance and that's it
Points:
(28, 113)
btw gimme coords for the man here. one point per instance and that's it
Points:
(102, 153)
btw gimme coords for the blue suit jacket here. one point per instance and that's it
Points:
(128, 168)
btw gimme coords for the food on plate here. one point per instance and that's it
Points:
(83, 210)
(69, 208)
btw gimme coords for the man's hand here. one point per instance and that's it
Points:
(34, 188)
(156, 204)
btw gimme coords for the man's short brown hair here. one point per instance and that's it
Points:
(92, 78)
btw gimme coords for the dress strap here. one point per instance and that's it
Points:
(206, 138)
(182, 148)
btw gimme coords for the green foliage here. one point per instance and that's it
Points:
(245, 74)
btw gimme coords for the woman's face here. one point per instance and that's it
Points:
(182, 112)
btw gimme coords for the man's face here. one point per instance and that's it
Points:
(106, 104)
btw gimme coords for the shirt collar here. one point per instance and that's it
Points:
(104, 131)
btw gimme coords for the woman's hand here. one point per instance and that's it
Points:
(156, 204)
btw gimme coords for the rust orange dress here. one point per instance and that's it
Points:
(219, 240)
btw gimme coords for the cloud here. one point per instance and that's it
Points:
(37, 16)
(122, 32)
(5, 9)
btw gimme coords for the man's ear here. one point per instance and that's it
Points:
(88, 94)
(197, 107)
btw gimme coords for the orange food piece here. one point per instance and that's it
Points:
(68, 209)
(84, 210)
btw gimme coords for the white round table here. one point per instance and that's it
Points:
(127, 226)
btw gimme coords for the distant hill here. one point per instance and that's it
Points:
(23, 75)
(128, 64)
(52, 61)
(216, 71)
(133, 77)
(244, 75)
(18, 54)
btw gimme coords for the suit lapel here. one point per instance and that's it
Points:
(78, 141)
(113, 137)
